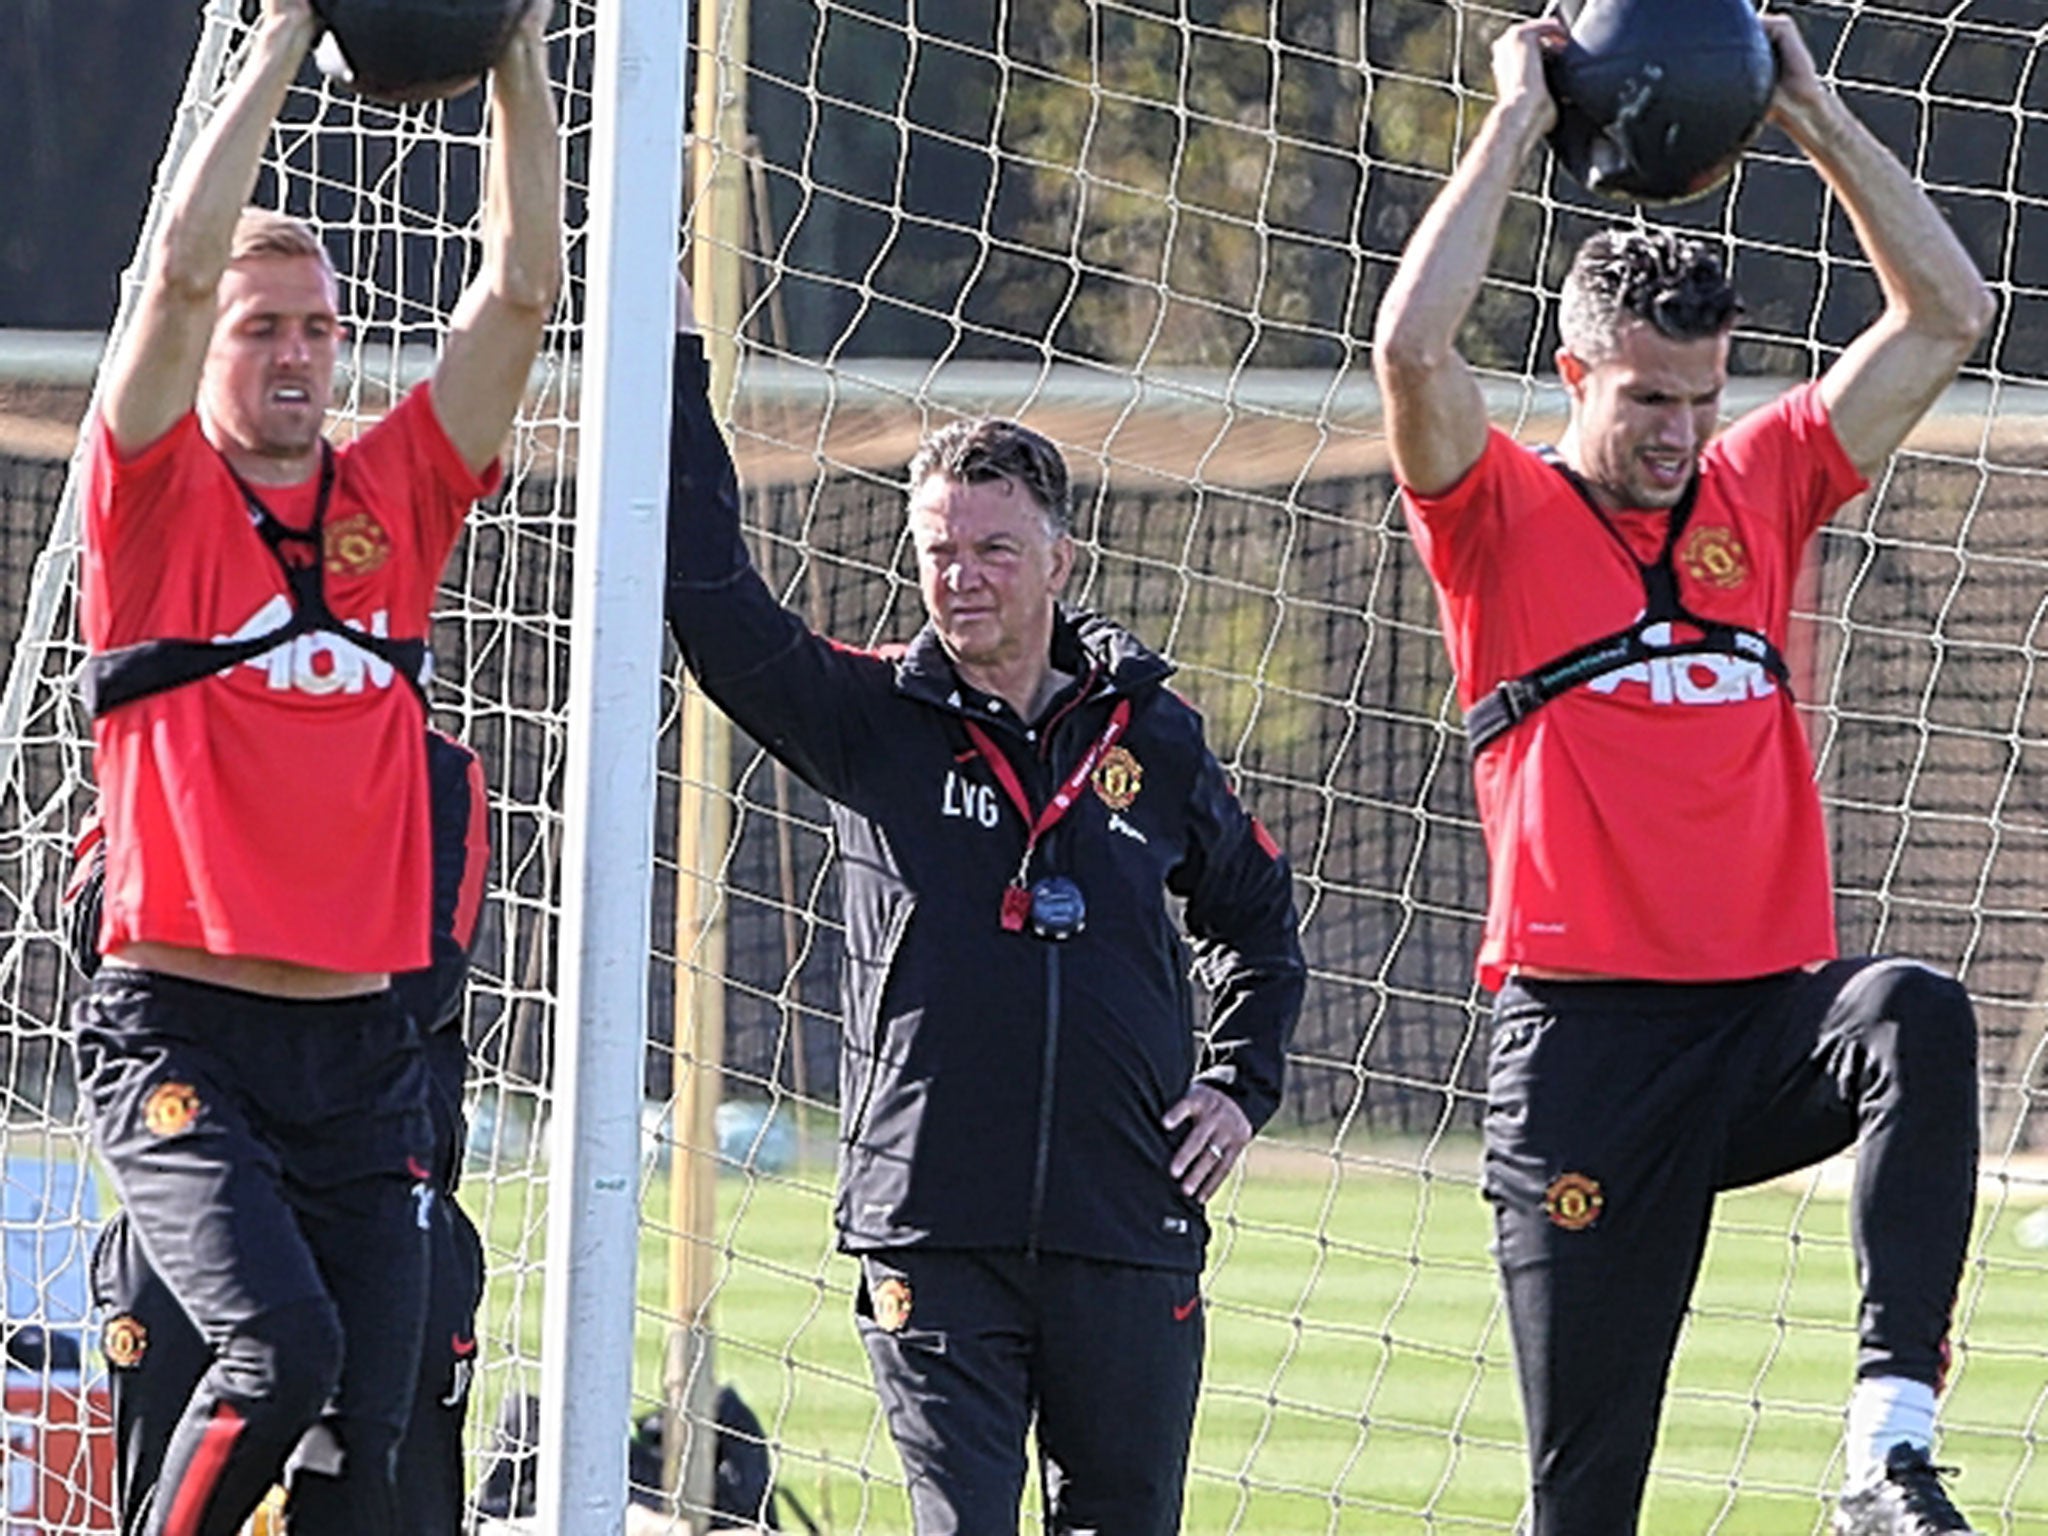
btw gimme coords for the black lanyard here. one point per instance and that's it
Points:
(297, 552)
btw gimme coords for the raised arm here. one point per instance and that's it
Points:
(1436, 418)
(819, 708)
(496, 330)
(153, 377)
(1936, 302)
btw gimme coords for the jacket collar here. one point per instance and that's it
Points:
(1081, 642)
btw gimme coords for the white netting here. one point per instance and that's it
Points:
(1159, 231)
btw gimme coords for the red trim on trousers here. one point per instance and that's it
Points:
(202, 1477)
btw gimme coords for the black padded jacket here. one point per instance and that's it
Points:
(999, 1091)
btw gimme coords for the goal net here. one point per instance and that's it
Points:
(1157, 230)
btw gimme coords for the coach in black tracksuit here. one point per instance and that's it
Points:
(1029, 1123)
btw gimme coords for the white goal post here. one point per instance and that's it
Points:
(608, 792)
(1156, 230)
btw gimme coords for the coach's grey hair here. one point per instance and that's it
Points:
(992, 448)
(1666, 281)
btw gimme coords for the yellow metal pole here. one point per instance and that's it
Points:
(718, 214)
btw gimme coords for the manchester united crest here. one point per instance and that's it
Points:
(1573, 1201)
(356, 545)
(1118, 778)
(124, 1341)
(891, 1301)
(1715, 558)
(170, 1108)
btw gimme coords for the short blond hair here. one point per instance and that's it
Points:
(261, 232)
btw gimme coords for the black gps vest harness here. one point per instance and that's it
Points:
(131, 672)
(1519, 697)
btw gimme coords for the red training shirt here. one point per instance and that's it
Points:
(1660, 822)
(278, 809)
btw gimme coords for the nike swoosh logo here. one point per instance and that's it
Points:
(1186, 1309)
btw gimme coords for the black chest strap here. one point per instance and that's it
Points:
(149, 667)
(1653, 636)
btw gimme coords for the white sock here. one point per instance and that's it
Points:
(1883, 1410)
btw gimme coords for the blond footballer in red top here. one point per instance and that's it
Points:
(305, 759)
(1670, 1019)
(254, 1086)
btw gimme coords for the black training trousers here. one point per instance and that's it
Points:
(272, 1160)
(972, 1349)
(155, 1358)
(1616, 1111)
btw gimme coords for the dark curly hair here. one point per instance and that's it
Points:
(1663, 280)
(992, 448)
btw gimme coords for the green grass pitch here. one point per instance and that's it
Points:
(1359, 1378)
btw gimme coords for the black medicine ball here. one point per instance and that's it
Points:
(413, 50)
(1657, 99)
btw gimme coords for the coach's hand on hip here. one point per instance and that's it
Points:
(1216, 1135)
